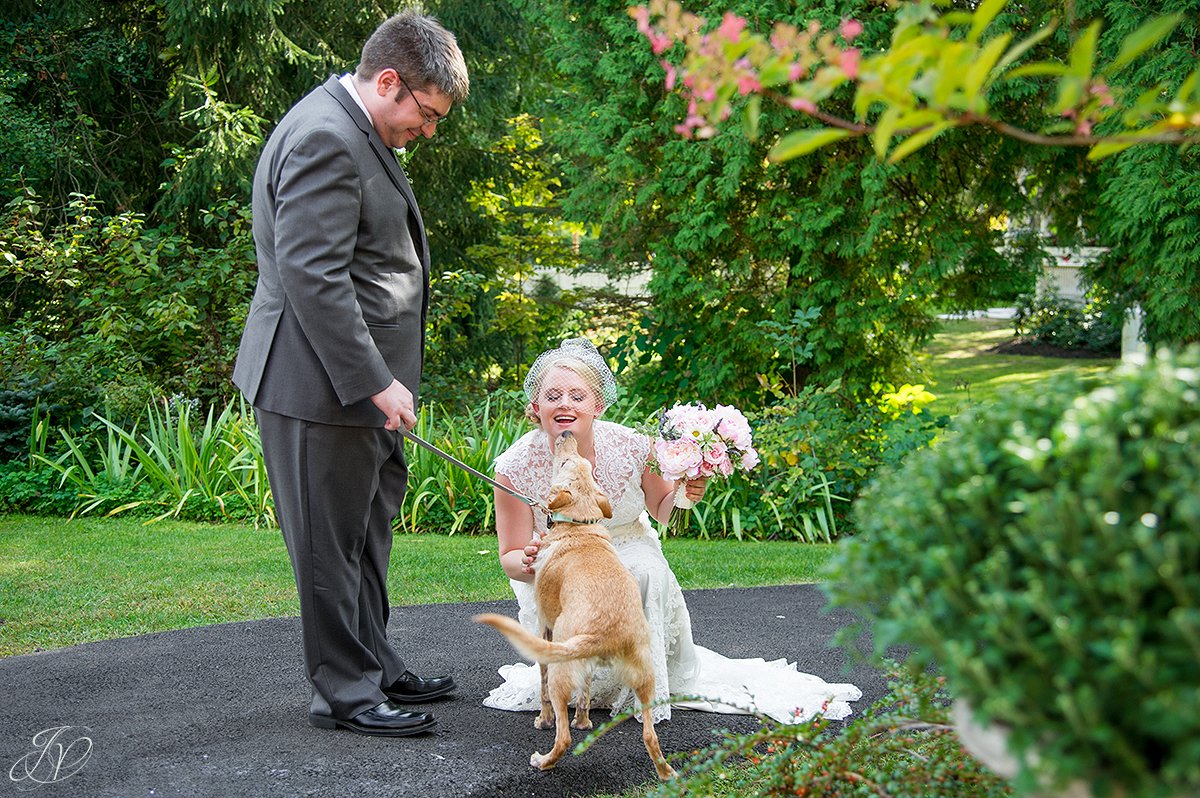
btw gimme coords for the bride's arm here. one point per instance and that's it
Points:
(660, 494)
(514, 532)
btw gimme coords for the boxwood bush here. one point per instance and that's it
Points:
(1046, 557)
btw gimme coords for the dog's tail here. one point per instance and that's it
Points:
(537, 649)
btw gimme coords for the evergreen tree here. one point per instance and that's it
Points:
(735, 242)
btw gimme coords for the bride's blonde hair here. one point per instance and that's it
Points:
(579, 356)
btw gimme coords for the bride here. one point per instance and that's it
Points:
(567, 389)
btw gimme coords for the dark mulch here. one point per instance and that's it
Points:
(1024, 346)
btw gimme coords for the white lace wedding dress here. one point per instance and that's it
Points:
(681, 667)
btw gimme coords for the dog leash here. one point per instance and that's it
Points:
(455, 461)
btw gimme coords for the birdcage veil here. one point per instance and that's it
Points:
(575, 361)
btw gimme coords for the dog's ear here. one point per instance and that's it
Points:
(605, 507)
(560, 499)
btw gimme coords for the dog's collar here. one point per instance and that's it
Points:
(559, 518)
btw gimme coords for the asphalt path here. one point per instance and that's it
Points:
(222, 710)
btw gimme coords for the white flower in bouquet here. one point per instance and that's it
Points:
(689, 422)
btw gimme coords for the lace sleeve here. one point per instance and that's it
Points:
(528, 465)
(514, 460)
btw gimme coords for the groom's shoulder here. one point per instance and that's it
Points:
(318, 109)
(317, 117)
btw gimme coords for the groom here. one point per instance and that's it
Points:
(332, 352)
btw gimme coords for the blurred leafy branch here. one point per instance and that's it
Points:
(935, 75)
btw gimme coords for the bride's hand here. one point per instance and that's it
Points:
(694, 489)
(529, 555)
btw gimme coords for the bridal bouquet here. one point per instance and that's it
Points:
(694, 441)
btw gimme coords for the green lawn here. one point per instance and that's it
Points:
(963, 372)
(67, 582)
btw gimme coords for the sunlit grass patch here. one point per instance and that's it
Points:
(962, 372)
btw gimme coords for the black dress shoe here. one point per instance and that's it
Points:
(411, 688)
(383, 720)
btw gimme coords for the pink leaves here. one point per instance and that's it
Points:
(671, 74)
(659, 42)
(731, 26)
(724, 59)
(849, 60)
(801, 104)
(747, 78)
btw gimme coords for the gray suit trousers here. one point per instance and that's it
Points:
(336, 491)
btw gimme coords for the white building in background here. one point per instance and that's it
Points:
(1063, 269)
(632, 286)
(1062, 277)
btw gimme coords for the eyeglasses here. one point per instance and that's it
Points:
(430, 117)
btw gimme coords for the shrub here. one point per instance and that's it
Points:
(901, 747)
(441, 496)
(178, 467)
(819, 449)
(37, 491)
(103, 312)
(1053, 321)
(1046, 557)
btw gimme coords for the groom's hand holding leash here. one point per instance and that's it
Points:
(396, 404)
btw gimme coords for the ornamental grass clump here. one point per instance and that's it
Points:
(1046, 558)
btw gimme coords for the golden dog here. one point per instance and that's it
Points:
(590, 603)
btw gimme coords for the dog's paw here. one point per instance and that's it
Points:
(540, 722)
(540, 761)
(581, 724)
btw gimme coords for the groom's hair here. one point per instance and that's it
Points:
(420, 50)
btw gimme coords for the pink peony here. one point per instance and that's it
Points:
(678, 458)
(749, 459)
(715, 452)
(733, 426)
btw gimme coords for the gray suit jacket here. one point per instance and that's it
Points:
(343, 268)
